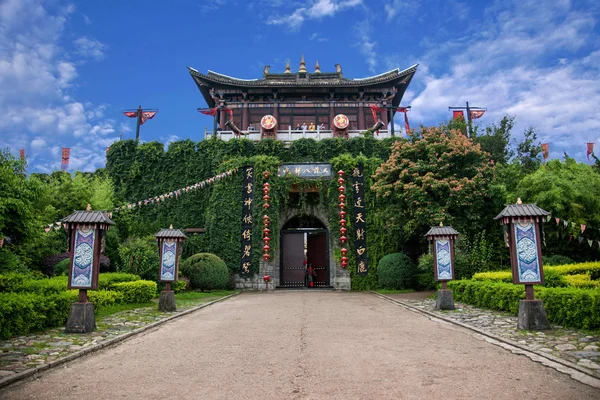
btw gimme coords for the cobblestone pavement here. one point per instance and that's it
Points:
(577, 346)
(303, 345)
(24, 352)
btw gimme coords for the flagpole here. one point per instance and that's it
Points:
(137, 128)
(469, 117)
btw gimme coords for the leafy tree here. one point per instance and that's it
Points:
(529, 151)
(439, 175)
(496, 140)
(139, 256)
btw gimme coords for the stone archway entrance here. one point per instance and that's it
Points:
(304, 236)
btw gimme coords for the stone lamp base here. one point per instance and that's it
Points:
(81, 318)
(166, 303)
(532, 315)
(444, 301)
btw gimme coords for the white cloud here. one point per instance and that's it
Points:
(317, 10)
(507, 68)
(317, 38)
(89, 48)
(36, 74)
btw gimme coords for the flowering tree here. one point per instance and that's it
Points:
(438, 175)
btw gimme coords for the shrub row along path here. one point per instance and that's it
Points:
(303, 345)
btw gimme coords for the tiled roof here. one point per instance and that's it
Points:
(88, 217)
(522, 210)
(171, 234)
(442, 231)
(318, 79)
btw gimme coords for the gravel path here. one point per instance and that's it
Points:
(303, 345)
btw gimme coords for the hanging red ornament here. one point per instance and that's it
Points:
(266, 174)
(266, 231)
(266, 257)
(342, 205)
(266, 185)
(266, 239)
(342, 214)
(344, 251)
(343, 239)
(342, 189)
(342, 222)
(342, 197)
(266, 205)
(266, 218)
(266, 197)
(344, 261)
(341, 180)
(340, 172)
(266, 248)
(343, 230)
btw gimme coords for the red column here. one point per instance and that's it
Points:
(276, 114)
(222, 117)
(245, 121)
(384, 115)
(331, 115)
(361, 117)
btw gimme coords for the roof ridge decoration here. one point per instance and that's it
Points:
(302, 65)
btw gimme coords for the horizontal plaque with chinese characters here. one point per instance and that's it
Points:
(313, 170)
(246, 234)
(359, 224)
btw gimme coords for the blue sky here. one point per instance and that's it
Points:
(67, 70)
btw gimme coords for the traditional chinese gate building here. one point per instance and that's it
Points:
(303, 105)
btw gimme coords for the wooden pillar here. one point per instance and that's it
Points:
(245, 121)
(361, 117)
(384, 115)
(331, 115)
(276, 113)
(222, 116)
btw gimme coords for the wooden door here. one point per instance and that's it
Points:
(292, 264)
(318, 256)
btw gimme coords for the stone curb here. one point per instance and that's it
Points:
(594, 381)
(29, 372)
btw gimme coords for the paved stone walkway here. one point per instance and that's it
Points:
(303, 345)
(577, 346)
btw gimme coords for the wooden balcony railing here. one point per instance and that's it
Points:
(291, 135)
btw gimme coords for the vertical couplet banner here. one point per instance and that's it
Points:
(458, 114)
(359, 224)
(22, 154)
(246, 234)
(66, 152)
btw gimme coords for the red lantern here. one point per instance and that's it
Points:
(266, 218)
(340, 172)
(341, 180)
(266, 197)
(266, 205)
(344, 251)
(344, 261)
(343, 239)
(266, 257)
(342, 189)
(343, 230)
(342, 205)
(342, 197)
(266, 248)
(266, 239)
(342, 222)
(266, 174)
(266, 231)
(342, 214)
(266, 185)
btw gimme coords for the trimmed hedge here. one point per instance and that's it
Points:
(137, 291)
(589, 268)
(496, 276)
(108, 279)
(573, 307)
(205, 271)
(396, 271)
(582, 281)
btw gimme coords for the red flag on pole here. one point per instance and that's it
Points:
(458, 114)
(476, 113)
(208, 111)
(590, 150)
(545, 150)
(230, 112)
(146, 115)
(22, 153)
(406, 124)
(130, 114)
(66, 152)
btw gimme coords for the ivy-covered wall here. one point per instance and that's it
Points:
(147, 170)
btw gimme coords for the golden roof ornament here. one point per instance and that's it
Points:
(287, 67)
(171, 226)
(89, 207)
(519, 201)
(302, 65)
(441, 223)
(317, 68)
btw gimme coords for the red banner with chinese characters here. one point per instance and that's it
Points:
(22, 154)
(146, 115)
(208, 111)
(66, 152)
(458, 114)
(130, 114)
(545, 150)
(406, 124)
(590, 150)
(476, 113)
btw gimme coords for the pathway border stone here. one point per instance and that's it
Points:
(576, 372)
(32, 371)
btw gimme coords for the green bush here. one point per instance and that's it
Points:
(177, 286)
(573, 307)
(137, 291)
(553, 278)
(496, 276)
(22, 313)
(590, 268)
(556, 260)
(41, 286)
(108, 279)
(139, 256)
(396, 271)
(104, 298)
(10, 262)
(11, 280)
(205, 271)
(425, 276)
(582, 281)
(62, 267)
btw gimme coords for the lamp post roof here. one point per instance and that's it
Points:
(88, 217)
(522, 210)
(170, 234)
(442, 231)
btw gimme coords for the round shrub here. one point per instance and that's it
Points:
(205, 271)
(396, 271)
(62, 268)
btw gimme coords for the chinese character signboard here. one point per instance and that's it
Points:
(246, 234)
(359, 224)
(312, 170)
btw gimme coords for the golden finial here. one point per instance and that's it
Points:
(441, 223)
(519, 201)
(171, 226)
(89, 207)
(302, 65)
(317, 68)
(287, 67)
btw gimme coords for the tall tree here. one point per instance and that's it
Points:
(496, 140)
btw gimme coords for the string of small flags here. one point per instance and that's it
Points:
(157, 199)
(582, 228)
